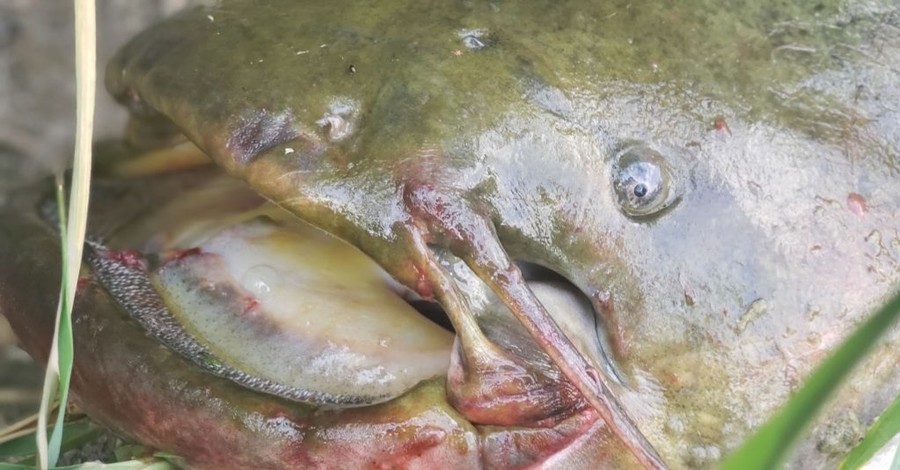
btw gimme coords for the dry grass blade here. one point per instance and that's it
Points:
(17, 427)
(59, 364)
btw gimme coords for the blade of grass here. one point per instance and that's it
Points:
(18, 428)
(768, 447)
(882, 430)
(77, 433)
(129, 465)
(51, 375)
(59, 364)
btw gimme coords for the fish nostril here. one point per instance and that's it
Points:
(476, 39)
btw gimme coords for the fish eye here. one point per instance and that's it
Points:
(642, 181)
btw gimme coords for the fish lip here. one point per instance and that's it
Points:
(125, 277)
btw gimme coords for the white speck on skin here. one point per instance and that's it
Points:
(288, 150)
(303, 52)
(210, 18)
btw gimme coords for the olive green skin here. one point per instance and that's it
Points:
(758, 110)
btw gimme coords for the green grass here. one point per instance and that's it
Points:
(128, 465)
(769, 445)
(882, 430)
(22, 449)
(76, 434)
(72, 230)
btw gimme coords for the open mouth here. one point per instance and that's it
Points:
(353, 364)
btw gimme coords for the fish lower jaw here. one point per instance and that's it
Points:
(385, 386)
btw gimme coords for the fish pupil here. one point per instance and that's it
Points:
(640, 190)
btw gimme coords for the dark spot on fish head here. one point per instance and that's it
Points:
(259, 131)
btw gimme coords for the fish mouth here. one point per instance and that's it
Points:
(376, 377)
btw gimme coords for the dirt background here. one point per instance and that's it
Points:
(37, 109)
